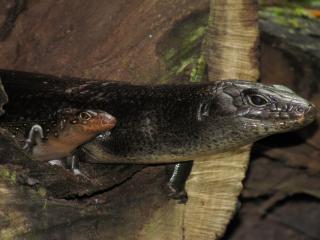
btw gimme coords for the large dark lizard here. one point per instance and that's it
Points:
(162, 123)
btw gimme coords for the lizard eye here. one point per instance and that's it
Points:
(257, 100)
(84, 116)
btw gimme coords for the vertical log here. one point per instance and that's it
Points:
(215, 183)
(232, 40)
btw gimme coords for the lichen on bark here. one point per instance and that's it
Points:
(181, 50)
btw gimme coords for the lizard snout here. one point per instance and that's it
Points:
(108, 121)
(100, 122)
(310, 113)
(305, 114)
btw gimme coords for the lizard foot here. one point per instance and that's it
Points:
(78, 173)
(57, 162)
(74, 159)
(73, 168)
(178, 173)
(35, 136)
(177, 194)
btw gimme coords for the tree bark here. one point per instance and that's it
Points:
(231, 52)
(232, 40)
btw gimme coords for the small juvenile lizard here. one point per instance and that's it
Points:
(59, 136)
(74, 128)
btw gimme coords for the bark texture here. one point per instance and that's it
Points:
(232, 40)
(231, 51)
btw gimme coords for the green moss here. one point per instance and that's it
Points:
(13, 177)
(180, 49)
(287, 16)
(45, 204)
(294, 12)
(307, 3)
(184, 64)
(198, 73)
(7, 174)
(169, 54)
(4, 172)
(42, 191)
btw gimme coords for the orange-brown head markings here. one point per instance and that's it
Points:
(90, 121)
(95, 121)
(73, 127)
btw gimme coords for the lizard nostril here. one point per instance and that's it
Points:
(309, 108)
(290, 107)
(310, 112)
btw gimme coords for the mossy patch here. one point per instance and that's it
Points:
(199, 72)
(42, 192)
(307, 3)
(8, 174)
(14, 224)
(180, 50)
(287, 16)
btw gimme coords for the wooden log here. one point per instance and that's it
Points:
(231, 51)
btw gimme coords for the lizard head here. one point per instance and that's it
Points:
(262, 110)
(87, 121)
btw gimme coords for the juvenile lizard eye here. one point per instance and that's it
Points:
(85, 116)
(257, 100)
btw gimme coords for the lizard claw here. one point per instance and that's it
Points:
(180, 195)
(35, 135)
(77, 172)
(179, 174)
(75, 167)
(56, 162)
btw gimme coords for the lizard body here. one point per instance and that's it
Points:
(162, 123)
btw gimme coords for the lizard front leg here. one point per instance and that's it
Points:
(73, 164)
(35, 136)
(179, 173)
(73, 161)
(70, 163)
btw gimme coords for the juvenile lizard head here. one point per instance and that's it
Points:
(86, 121)
(75, 127)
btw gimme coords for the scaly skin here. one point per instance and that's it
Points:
(182, 122)
(163, 123)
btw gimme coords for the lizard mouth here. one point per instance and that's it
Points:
(300, 119)
(309, 115)
(299, 114)
(282, 121)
